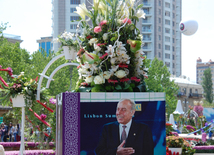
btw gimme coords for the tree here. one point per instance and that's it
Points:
(208, 85)
(159, 81)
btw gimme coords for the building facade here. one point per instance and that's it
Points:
(45, 43)
(201, 67)
(12, 38)
(161, 34)
(188, 91)
(160, 28)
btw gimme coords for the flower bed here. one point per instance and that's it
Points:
(32, 152)
(8, 146)
(204, 149)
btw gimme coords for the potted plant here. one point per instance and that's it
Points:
(174, 143)
(21, 90)
(68, 44)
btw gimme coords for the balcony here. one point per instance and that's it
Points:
(195, 95)
(181, 94)
(146, 4)
(146, 30)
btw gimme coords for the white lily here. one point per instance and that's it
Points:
(83, 11)
(140, 14)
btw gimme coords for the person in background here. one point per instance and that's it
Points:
(18, 136)
(15, 133)
(10, 131)
(6, 133)
(2, 132)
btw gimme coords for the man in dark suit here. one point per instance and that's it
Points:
(125, 137)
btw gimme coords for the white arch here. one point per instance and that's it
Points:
(58, 68)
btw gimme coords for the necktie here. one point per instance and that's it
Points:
(123, 136)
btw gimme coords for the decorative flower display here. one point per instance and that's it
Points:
(66, 39)
(110, 50)
(174, 141)
(199, 110)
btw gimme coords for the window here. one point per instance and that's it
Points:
(159, 54)
(173, 6)
(167, 13)
(159, 36)
(173, 40)
(72, 10)
(159, 3)
(167, 64)
(159, 28)
(74, 18)
(167, 56)
(146, 11)
(173, 23)
(167, 47)
(159, 20)
(159, 46)
(159, 11)
(73, 26)
(74, 1)
(196, 90)
(167, 30)
(167, 22)
(173, 32)
(173, 15)
(167, 39)
(173, 65)
(167, 5)
(173, 57)
(173, 48)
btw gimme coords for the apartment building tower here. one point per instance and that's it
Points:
(200, 67)
(160, 28)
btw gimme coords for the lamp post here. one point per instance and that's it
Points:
(185, 102)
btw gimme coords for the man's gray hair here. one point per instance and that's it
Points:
(130, 101)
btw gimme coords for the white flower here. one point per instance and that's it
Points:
(107, 75)
(82, 11)
(89, 79)
(22, 73)
(110, 50)
(120, 74)
(112, 60)
(92, 41)
(97, 48)
(99, 79)
(140, 14)
(105, 36)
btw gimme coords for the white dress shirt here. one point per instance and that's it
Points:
(128, 125)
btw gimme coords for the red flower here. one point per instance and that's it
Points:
(124, 79)
(128, 20)
(78, 66)
(100, 44)
(89, 37)
(123, 66)
(80, 52)
(84, 84)
(168, 124)
(103, 56)
(135, 79)
(112, 81)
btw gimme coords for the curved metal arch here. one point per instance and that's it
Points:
(191, 112)
(58, 68)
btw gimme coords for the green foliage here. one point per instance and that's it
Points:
(159, 81)
(207, 85)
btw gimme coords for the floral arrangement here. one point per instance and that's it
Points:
(110, 54)
(21, 85)
(204, 149)
(199, 110)
(169, 128)
(174, 141)
(66, 39)
(187, 148)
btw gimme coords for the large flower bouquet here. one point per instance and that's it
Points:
(110, 49)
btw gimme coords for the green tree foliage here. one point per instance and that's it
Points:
(207, 85)
(159, 81)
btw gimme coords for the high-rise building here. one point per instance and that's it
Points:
(200, 67)
(160, 28)
(45, 43)
(161, 34)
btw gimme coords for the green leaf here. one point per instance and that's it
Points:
(118, 87)
(135, 17)
(139, 6)
(126, 85)
(85, 89)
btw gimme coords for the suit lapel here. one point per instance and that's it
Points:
(116, 135)
(132, 134)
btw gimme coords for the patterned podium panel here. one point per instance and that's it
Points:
(83, 115)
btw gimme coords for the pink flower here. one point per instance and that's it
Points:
(129, 21)
(104, 22)
(10, 69)
(204, 135)
(43, 116)
(52, 100)
(199, 110)
(103, 56)
(0, 66)
(97, 29)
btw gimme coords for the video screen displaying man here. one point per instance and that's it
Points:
(125, 136)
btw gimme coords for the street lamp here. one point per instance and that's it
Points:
(185, 102)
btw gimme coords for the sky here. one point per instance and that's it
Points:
(32, 20)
